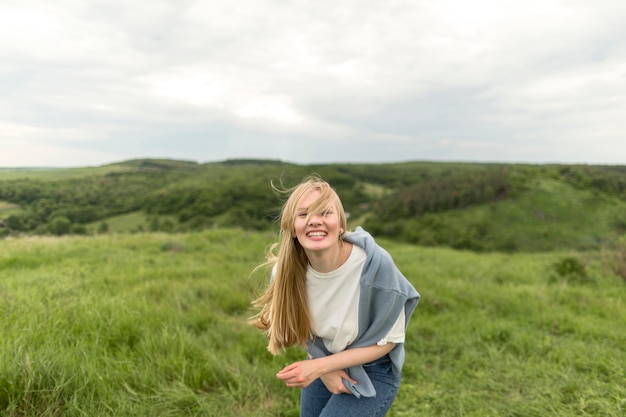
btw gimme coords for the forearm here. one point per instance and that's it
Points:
(302, 373)
(351, 357)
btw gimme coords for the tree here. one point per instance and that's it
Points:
(14, 222)
(60, 226)
(103, 228)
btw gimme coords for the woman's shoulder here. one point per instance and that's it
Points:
(361, 238)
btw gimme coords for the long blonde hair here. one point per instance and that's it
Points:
(284, 313)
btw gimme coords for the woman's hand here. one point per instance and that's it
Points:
(334, 383)
(299, 374)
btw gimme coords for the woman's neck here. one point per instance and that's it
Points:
(331, 259)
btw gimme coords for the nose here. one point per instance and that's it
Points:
(315, 220)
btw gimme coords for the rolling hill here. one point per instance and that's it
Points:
(474, 206)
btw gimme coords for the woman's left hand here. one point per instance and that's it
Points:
(299, 374)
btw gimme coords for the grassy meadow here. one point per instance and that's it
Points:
(154, 324)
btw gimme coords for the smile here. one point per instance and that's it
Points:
(316, 234)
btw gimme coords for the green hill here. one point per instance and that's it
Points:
(480, 207)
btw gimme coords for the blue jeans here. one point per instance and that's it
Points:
(317, 401)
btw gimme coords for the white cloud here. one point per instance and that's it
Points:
(508, 79)
(197, 89)
(272, 109)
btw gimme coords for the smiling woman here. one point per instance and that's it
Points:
(339, 295)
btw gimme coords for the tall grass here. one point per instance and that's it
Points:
(505, 335)
(155, 325)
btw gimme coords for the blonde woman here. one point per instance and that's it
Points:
(340, 296)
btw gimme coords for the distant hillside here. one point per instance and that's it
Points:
(475, 206)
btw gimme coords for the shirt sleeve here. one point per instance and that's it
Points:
(397, 333)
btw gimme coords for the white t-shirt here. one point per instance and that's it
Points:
(334, 304)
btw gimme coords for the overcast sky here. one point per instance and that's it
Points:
(91, 82)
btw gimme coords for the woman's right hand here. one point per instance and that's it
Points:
(334, 384)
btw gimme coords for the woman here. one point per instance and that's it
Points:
(339, 295)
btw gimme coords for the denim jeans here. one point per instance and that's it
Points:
(317, 401)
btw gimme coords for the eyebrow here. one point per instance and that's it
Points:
(329, 207)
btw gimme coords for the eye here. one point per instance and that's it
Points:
(302, 214)
(327, 212)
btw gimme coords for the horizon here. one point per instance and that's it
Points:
(547, 163)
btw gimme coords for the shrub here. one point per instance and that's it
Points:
(103, 228)
(78, 229)
(60, 226)
(14, 222)
(571, 269)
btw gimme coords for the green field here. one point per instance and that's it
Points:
(57, 174)
(6, 209)
(153, 324)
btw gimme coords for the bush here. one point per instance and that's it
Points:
(60, 226)
(14, 222)
(79, 229)
(103, 228)
(571, 269)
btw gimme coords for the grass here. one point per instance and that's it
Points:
(130, 222)
(498, 335)
(6, 209)
(55, 174)
(7, 206)
(155, 324)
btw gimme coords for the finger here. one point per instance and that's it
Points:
(341, 389)
(288, 368)
(286, 376)
(289, 372)
(293, 384)
(345, 375)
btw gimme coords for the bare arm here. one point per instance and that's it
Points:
(301, 374)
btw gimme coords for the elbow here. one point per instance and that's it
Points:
(387, 347)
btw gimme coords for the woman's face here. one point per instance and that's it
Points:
(322, 230)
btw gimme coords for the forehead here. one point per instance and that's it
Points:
(309, 198)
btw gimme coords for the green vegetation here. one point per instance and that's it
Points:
(125, 289)
(480, 207)
(522, 270)
(6, 209)
(550, 215)
(154, 324)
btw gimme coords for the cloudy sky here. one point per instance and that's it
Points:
(91, 82)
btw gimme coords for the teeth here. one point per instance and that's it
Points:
(317, 234)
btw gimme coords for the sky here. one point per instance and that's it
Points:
(87, 83)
